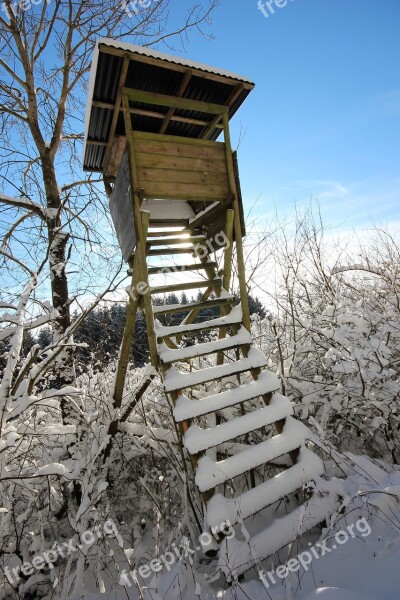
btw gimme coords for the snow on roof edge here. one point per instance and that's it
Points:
(144, 52)
(92, 79)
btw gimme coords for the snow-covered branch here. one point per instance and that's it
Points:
(357, 267)
(24, 203)
(16, 260)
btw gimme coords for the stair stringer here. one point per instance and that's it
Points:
(184, 379)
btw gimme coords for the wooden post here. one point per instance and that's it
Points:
(226, 280)
(123, 359)
(146, 296)
(237, 225)
(141, 222)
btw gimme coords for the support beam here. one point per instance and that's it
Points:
(173, 102)
(216, 121)
(237, 225)
(122, 79)
(126, 344)
(151, 113)
(181, 90)
(141, 222)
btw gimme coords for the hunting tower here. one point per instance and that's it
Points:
(153, 127)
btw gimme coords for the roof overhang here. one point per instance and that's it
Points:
(116, 65)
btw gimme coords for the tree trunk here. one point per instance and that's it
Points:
(58, 239)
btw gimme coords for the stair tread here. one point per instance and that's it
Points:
(211, 210)
(181, 268)
(225, 298)
(209, 473)
(198, 439)
(162, 251)
(167, 355)
(189, 409)
(176, 380)
(193, 239)
(192, 285)
(308, 466)
(234, 554)
(174, 233)
(234, 317)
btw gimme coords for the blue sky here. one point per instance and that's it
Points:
(324, 118)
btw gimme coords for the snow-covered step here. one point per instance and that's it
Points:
(174, 269)
(164, 234)
(236, 557)
(198, 439)
(189, 409)
(176, 241)
(219, 508)
(242, 338)
(209, 473)
(209, 210)
(234, 317)
(189, 285)
(166, 309)
(176, 250)
(176, 380)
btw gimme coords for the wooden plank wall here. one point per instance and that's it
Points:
(122, 210)
(173, 167)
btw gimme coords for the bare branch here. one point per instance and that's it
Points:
(13, 74)
(359, 267)
(24, 203)
(16, 260)
(69, 186)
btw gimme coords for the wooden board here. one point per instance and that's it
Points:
(117, 150)
(172, 167)
(122, 210)
(162, 161)
(179, 176)
(189, 148)
(184, 191)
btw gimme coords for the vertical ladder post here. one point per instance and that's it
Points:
(226, 280)
(141, 221)
(227, 269)
(123, 359)
(237, 224)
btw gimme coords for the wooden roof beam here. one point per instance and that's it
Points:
(174, 102)
(151, 113)
(181, 90)
(216, 120)
(116, 107)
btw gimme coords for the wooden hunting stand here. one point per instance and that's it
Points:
(152, 126)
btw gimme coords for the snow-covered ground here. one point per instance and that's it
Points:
(355, 558)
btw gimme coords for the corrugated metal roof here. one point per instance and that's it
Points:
(178, 60)
(151, 71)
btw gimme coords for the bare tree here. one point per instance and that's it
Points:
(45, 55)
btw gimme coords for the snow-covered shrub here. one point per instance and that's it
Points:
(62, 483)
(333, 334)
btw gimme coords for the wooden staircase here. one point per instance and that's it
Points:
(158, 130)
(224, 398)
